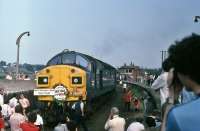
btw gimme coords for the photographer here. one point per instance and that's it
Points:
(185, 72)
(114, 122)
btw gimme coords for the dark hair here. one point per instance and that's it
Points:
(150, 121)
(18, 109)
(167, 65)
(32, 116)
(62, 118)
(71, 125)
(80, 98)
(184, 56)
(0, 108)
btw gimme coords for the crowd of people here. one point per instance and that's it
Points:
(21, 76)
(17, 116)
(117, 123)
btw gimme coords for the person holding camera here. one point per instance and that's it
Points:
(114, 122)
(184, 72)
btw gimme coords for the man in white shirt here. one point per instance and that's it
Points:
(161, 84)
(114, 122)
(13, 101)
(39, 120)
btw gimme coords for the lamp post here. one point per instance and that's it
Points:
(196, 19)
(18, 45)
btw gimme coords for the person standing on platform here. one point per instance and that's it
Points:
(1, 96)
(13, 102)
(124, 87)
(29, 125)
(185, 71)
(16, 119)
(114, 122)
(127, 97)
(2, 122)
(61, 124)
(24, 102)
(161, 82)
(80, 113)
(136, 103)
(39, 120)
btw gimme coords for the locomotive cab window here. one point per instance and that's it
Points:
(55, 61)
(68, 58)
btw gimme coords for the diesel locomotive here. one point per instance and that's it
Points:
(70, 74)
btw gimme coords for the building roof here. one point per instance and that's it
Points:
(129, 67)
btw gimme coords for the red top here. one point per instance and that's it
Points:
(1, 123)
(127, 97)
(27, 126)
(136, 103)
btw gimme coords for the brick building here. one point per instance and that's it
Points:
(131, 72)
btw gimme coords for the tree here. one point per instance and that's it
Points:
(2, 63)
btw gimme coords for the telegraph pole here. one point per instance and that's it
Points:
(163, 55)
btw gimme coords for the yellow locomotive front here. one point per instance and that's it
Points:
(61, 82)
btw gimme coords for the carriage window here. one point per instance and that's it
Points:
(68, 58)
(83, 62)
(55, 61)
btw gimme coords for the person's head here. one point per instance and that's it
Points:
(114, 111)
(38, 111)
(71, 125)
(80, 98)
(15, 95)
(62, 119)
(26, 76)
(150, 121)
(166, 65)
(21, 96)
(32, 116)
(184, 56)
(18, 109)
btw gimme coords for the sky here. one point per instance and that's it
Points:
(114, 31)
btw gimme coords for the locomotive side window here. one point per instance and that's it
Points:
(68, 58)
(55, 61)
(83, 62)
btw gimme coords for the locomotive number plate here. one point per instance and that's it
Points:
(44, 92)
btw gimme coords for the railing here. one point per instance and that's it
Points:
(146, 91)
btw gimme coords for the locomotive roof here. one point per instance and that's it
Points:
(90, 58)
